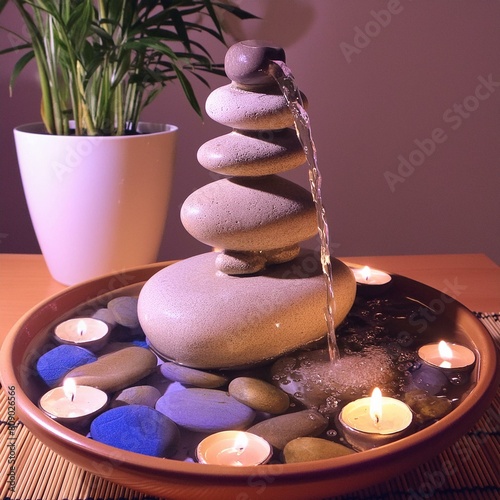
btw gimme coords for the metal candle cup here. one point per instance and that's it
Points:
(371, 281)
(364, 427)
(234, 448)
(90, 333)
(448, 357)
(73, 405)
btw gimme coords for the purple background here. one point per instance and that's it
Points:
(377, 83)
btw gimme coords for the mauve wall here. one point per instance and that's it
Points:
(390, 82)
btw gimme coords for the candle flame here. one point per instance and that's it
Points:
(69, 388)
(366, 273)
(446, 354)
(240, 443)
(376, 405)
(81, 327)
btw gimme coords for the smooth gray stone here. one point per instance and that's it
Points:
(307, 449)
(191, 376)
(255, 153)
(198, 317)
(250, 213)
(145, 395)
(205, 410)
(259, 395)
(124, 310)
(248, 110)
(282, 429)
(104, 314)
(117, 370)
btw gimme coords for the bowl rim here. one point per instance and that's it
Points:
(425, 443)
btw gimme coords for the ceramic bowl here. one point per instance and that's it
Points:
(176, 479)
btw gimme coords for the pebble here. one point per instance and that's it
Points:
(259, 395)
(116, 370)
(124, 310)
(125, 428)
(254, 110)
(429, 379)
(252, 153)
(191, 376)
(231, 325)
(426, 406)
(104, 314)
(56, 363)
(231, 262)
(282, 429)
(307, 449)
(271, 212)
(205, 410)
(145, 395)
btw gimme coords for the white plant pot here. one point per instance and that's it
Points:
(98, 204)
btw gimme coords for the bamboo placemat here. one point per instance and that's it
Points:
(470, 469)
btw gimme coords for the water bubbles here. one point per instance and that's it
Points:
(331, 433)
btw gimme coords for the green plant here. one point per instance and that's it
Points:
(102, 62)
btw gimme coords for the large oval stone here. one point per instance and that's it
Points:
(306, 449)
(202, 318)
(252, 153)
(250, 213)
(205, 410)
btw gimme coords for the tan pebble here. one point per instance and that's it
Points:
(236, 263)
(259, 395)
(307, 449)
(114, 371)
(282, 255)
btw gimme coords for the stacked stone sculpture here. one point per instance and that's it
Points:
(259, 296)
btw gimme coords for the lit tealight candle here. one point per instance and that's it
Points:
(73, 404)
(447, 356)
(374, 279)
(374, 421)
(235, 448)
(84, 332)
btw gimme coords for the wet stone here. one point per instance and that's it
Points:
(56, 363)
(124, 310)
(307, 449)
(259, 395)
(282, 429)
(116, 370)
(125, 428)
(192, 376)
(145, 395)
(426, 406)
(205, 410)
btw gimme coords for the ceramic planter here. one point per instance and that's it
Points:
(98, 204)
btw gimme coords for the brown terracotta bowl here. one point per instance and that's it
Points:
(176, 479)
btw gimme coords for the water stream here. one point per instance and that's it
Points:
(291, 92)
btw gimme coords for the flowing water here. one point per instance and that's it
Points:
(291, 92)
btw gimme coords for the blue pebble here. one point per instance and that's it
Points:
(54, 364)
(205, 410)
(137, 428)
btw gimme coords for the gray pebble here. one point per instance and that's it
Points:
(145, 395)
(205, 410)
(124, 310)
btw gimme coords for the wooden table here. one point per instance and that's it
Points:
(472, 279)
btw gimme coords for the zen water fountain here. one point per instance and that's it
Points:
(257, 316)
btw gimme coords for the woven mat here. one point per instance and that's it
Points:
(470, 469)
